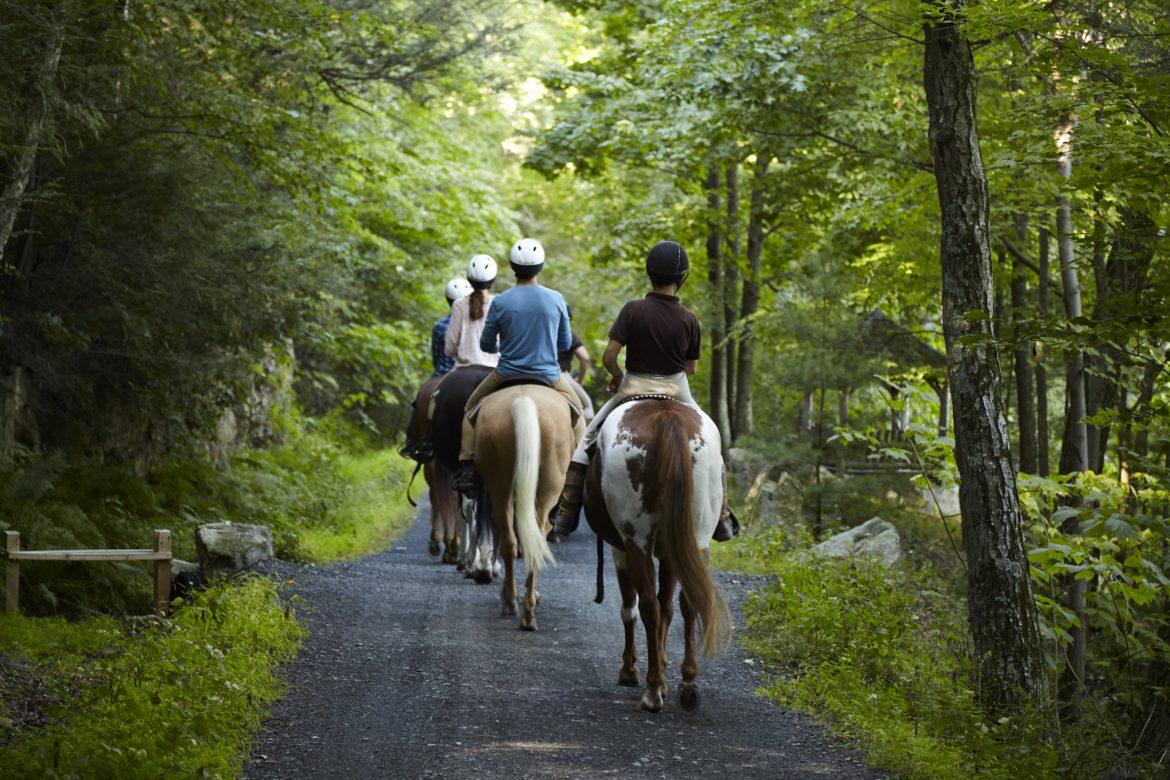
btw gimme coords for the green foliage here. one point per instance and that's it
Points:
(180, 698)
(884, 658)
(321, 499)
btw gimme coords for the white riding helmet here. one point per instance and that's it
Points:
(458, 288)
(527, 251)
(481, 269)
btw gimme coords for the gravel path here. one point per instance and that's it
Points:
(409, 672)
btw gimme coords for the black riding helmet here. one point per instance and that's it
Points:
(667, 263)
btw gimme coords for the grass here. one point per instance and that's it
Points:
(370, 514)
(880, 656)
(121, 697)
(169, 698)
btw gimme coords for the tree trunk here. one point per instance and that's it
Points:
(1025, 395)
(1042, 434)
(750, 302)
(731, 290)
(34, 119)
(1002, 615)
(806, 412)
(717, 386)
(1074, 455)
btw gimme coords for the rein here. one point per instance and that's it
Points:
(413, 474)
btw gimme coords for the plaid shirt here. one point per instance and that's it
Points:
(443, 364)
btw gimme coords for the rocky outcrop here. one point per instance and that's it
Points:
(875, 540)
(230, 548)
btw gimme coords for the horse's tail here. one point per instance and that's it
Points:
(670, 482)
(525, 480)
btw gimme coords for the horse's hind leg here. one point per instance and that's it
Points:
(688, 692)
(431, 473)
(508, 553)
(666, 583)
(641, 571)
(531, 598)
(628, 674)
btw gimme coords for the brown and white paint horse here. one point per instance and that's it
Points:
(524, 440)
(654, 491)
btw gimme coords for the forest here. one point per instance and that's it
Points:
(929, 252)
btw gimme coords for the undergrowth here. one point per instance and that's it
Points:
(322, 501)
(176, 698)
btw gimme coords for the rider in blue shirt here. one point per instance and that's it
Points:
(527, 325)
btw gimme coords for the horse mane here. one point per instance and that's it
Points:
(669, 492)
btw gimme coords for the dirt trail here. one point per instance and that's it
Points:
(410, 672)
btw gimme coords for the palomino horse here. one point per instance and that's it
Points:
(476, 557)
(445, 517)
(654, 490)
(524, 440)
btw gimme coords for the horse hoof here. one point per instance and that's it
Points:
(553, 538)
(483, 578)
(459, 566)
(433, 549)
(651, 702)
(629, 677)
(508, 610)
(528, 626)
(688, 698)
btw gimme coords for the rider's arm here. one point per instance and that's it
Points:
(454, 329)
(609, 360)
(692, 367)
(582, 362)
(488, 338)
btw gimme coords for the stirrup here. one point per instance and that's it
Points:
(464, 480)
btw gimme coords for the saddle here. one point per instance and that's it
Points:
(523, 379)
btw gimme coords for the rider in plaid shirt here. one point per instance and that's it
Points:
(442, 362)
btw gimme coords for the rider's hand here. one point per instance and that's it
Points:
(614, 384)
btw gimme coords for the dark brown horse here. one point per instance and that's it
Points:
(445, 525)
(653, 492)
(476, 556)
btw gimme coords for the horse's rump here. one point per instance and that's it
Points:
(447, 423)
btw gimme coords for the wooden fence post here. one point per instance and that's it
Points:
(162, 573)
(12, 573)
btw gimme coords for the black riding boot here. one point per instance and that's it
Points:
(569, 507)
(728, 525)
(464, 479)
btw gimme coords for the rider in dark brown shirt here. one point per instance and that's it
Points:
(662, 340)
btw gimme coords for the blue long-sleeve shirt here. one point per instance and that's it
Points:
(442, 363)
(532, 324)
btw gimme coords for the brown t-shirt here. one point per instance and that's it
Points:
(659, 333)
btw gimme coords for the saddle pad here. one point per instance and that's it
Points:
(522, 379)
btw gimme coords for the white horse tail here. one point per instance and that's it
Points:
(525, 479)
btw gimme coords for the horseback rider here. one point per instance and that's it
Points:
(469, 314)
(526, 325)
(459, 343)
(661, 338)
(455, 290)
(565, 359)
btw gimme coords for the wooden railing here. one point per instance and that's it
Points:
(161, 555)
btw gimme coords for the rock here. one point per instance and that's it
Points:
(229, 548)
(944, 500)
(875, 539)
(774, 500)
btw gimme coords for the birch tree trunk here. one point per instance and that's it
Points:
(731, 290)
(750, 302)
(717, 385)
(1001, 612)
